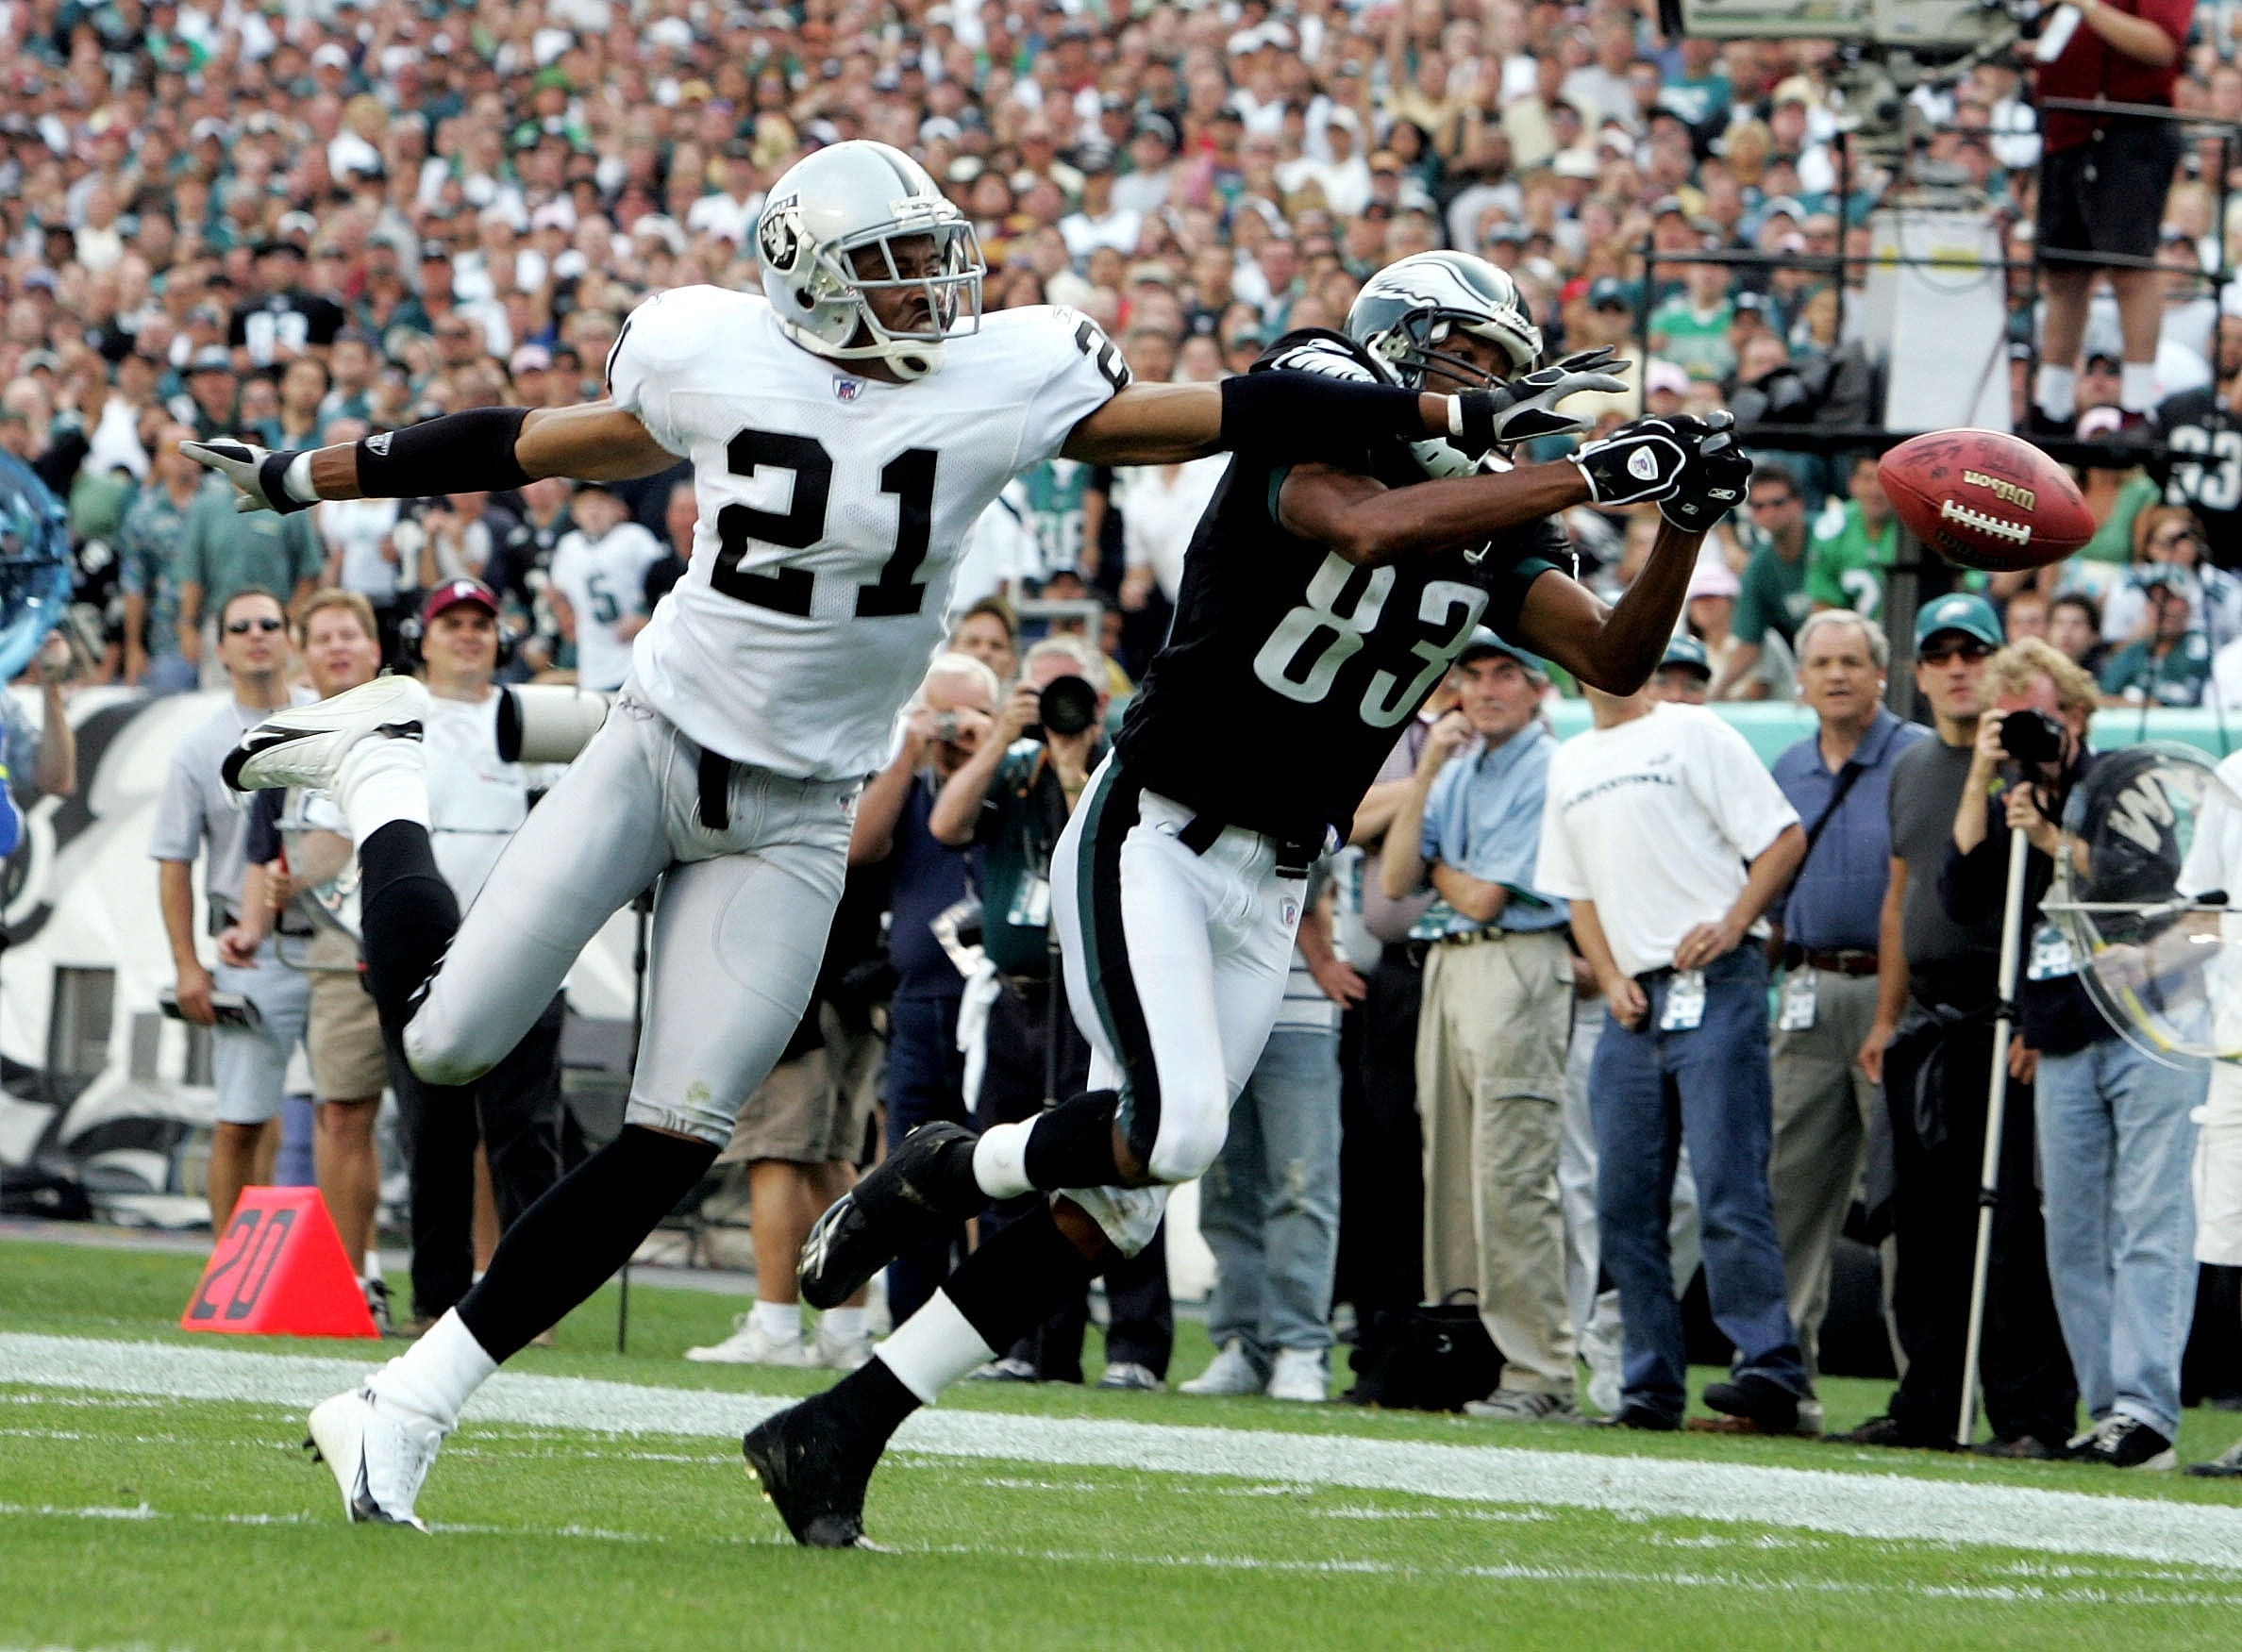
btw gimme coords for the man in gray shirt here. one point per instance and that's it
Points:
(198, 812)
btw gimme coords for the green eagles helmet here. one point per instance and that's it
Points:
(1406, 311)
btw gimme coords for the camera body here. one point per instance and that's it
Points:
(1068, 706)
(2032, 738)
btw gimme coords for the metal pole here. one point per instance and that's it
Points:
(2012, 924)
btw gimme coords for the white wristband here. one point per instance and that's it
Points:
(296, 478)
(1455, 415)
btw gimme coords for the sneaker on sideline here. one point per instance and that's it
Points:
(1299, 1376)
(750, 1345)
(2227, 1465)
(1518, 1405)
(2123, 1441)
(1005, 1369)
(1231, 1372)
(839, 1353)
(1128, 1376)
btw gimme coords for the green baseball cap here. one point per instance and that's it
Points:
(1486, 642)
(1963, 611)
(1688, 652)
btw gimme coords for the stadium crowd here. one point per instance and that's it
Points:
(310, 220)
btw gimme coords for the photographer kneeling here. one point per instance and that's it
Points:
(1014, 796)
(2115, 1140)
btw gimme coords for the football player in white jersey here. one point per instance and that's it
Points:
(845, 429)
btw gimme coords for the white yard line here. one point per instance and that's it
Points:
(1876, 1506)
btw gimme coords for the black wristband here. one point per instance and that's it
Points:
(1292, 415)
(272, 475)
(459, 453)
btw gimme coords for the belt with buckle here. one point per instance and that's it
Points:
(1474, 937)
(1293, 856)
(1846, 961)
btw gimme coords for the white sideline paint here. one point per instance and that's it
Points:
(1865, 1505)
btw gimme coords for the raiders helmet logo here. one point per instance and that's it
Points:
(779, 234)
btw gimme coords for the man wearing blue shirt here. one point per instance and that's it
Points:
(1491, 1037)
(1837, 779)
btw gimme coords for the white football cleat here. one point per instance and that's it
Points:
(377, 1458)
(304, 746)
(750, 1345)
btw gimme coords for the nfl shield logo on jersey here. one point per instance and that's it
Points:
(847, 389)
(1291, 911)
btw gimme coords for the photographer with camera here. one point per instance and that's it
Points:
(1012, 797)
(2115, 1136)
(1932, 1045)
(950, 719)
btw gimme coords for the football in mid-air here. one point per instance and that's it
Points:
(1986, 500)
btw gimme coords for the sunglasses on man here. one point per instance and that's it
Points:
(1961, 649)
(243, 627)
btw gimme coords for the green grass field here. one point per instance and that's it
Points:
(153, 1493)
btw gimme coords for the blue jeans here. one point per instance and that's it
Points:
(1269, 1203)
(1648, 1093)
(926, 1081)
(2117, 1150)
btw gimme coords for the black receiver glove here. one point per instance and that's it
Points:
(1716, 478)
(1635, 463)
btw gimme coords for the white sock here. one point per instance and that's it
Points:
(1000, 1161)
(434, 1377)
(2136, 387)
(843, 1325)
(380, 781)
(781, 1319)
(933, 1348)
(2057, 392)
(372, 1265)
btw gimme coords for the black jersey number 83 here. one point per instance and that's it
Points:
(1339, 616)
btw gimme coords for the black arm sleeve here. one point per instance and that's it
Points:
(471, 451)
(1310, 416)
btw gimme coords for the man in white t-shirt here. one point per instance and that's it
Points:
(477, 799)
(1670, 838)
(598, 588)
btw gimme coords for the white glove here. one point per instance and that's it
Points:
(250, 469)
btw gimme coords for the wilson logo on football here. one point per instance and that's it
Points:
(2008, 493)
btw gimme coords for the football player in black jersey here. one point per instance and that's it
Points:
(1320, 606)
(2203, 430)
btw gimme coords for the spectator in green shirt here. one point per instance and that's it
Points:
(2170, 666)
(1773, 599)
(1691, 329)
(1852, 545)
(223, 550)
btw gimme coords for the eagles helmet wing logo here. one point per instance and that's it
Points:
(779, 234)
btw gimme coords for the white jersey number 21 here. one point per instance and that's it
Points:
(909, 476)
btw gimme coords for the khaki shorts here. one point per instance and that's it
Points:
(815, 1110)
(348, 1061)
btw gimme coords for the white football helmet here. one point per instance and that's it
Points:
(1405, 313)
(845, 198)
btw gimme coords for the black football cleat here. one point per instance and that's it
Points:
(806, 1464)
(916, 1194)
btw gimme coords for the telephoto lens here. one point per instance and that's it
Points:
(1068, 705)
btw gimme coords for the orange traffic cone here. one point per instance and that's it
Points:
(280, 1271)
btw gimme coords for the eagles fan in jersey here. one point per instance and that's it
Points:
(2203, 429)
(1321, 603)
(837, 461)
